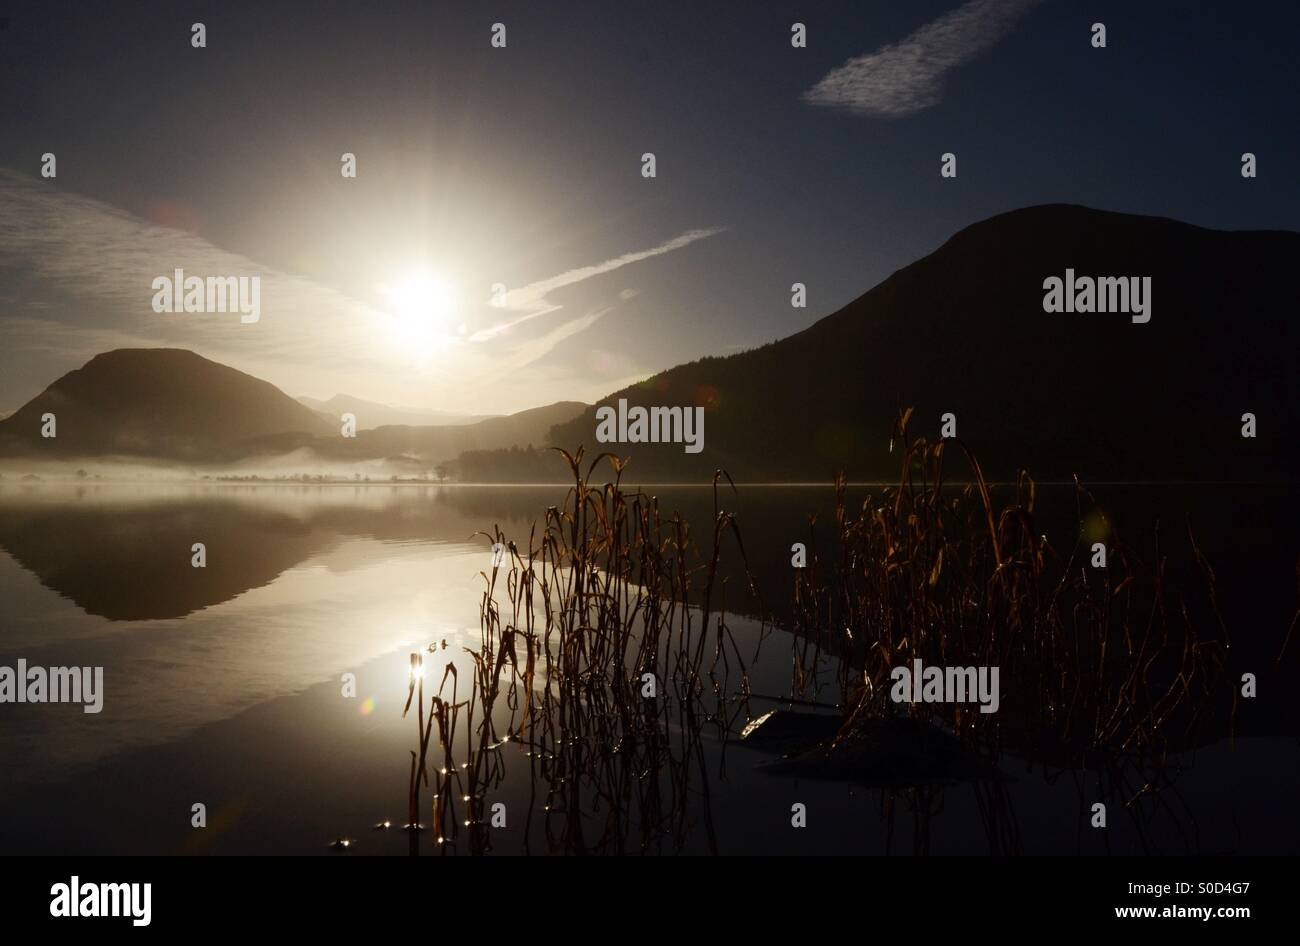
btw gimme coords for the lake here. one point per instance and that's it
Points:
(224, 685)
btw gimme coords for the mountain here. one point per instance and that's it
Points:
(157, 402)
(964, 331)
(370, 414)
(171, 404)
(434, 445)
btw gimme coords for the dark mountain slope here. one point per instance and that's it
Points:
(435, 444)
(371, 414)
(964, 331)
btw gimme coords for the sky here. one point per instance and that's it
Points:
(518, 171)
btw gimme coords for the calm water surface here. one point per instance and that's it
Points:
(223, 684)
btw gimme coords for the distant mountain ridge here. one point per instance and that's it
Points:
(438, 444)
(371, 414)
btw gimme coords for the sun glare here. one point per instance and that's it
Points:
(421, 306)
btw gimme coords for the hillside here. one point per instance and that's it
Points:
(370, 414)
(437, 444)
(964, 330)
(160, 402)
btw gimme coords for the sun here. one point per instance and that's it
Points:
(421, 307)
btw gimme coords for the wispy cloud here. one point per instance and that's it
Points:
(535, 293)
(905, 77)
(531, 301)
(79, 247)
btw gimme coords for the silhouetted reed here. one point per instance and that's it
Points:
(598, 665)
(606, 657)
(1104, 668)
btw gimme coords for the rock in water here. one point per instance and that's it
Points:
(889, 753)
(785, 732)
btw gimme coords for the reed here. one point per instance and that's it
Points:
(609, 596)
(605, 656)
(1102, 659)
(1110, 670)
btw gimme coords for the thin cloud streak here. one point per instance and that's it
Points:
(908, 76)
(532, 299)
(535, 293)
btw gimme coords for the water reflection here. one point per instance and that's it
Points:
(224, 685)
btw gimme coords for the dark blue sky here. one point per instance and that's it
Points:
(519, 164)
